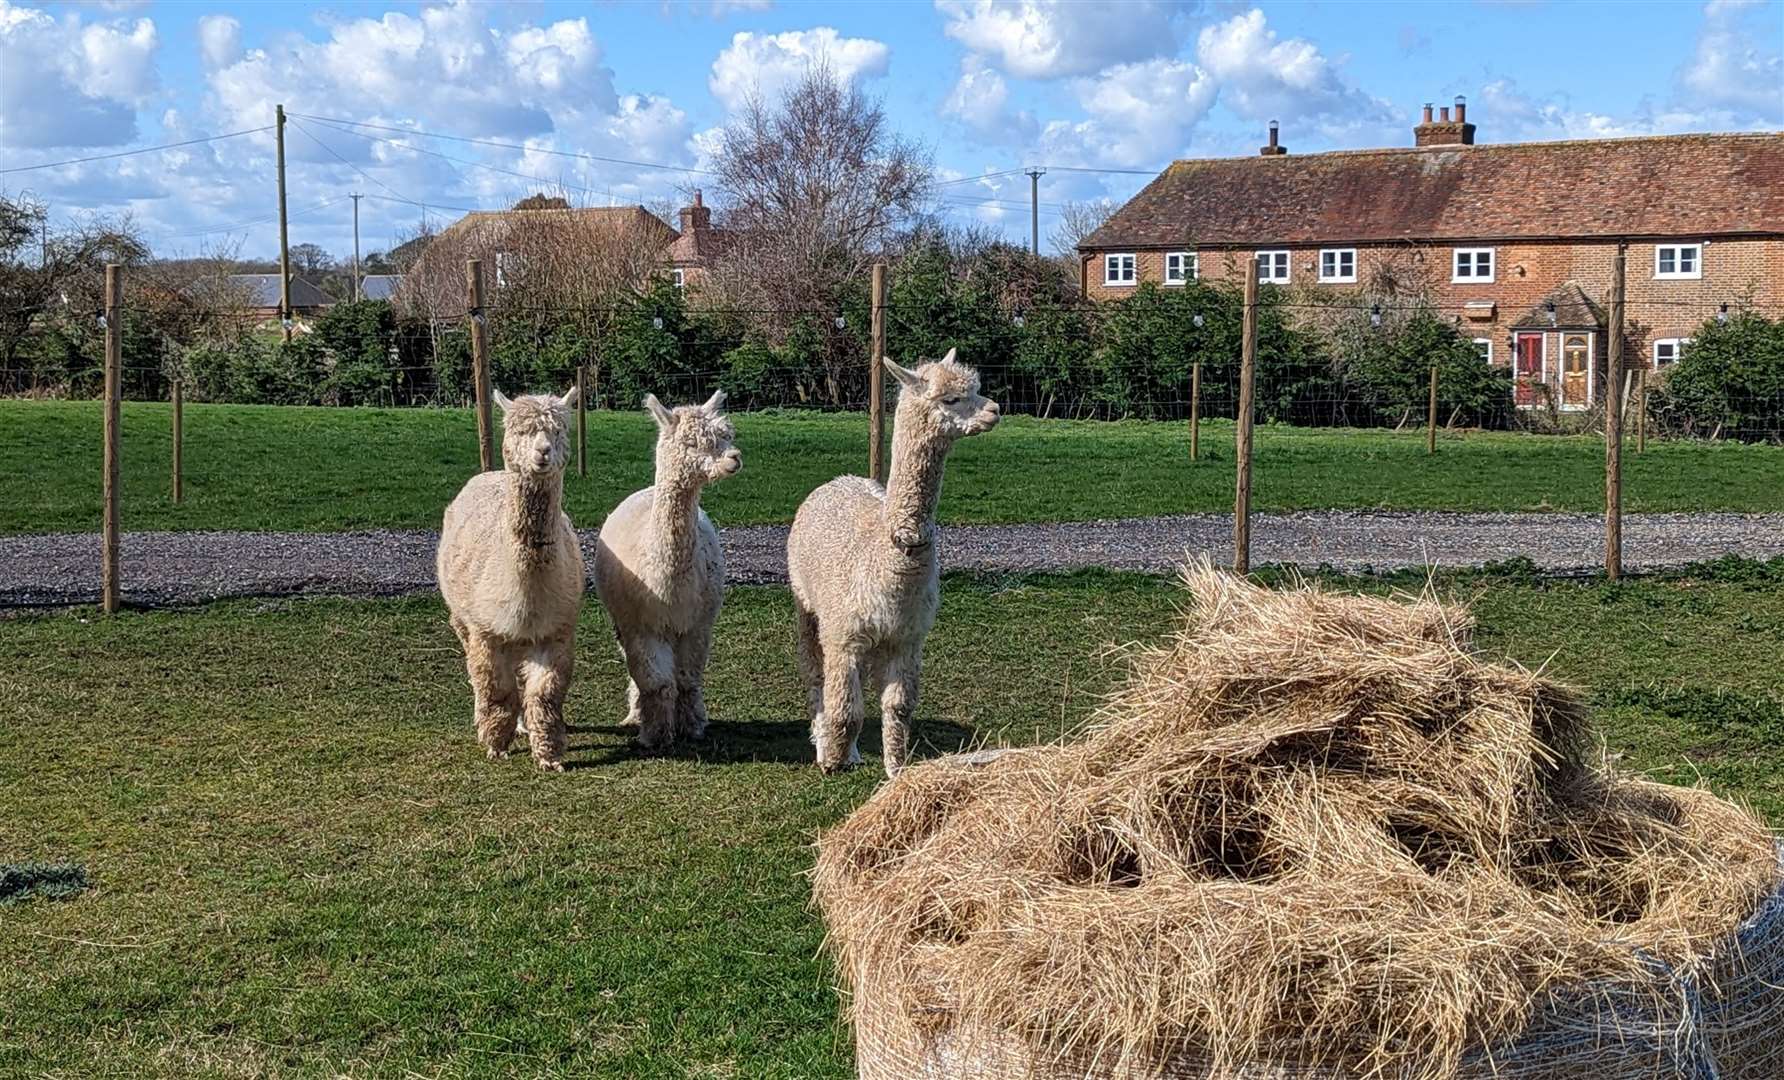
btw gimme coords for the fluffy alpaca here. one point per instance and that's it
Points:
(862, 560)
(661, 573)
(511, 572)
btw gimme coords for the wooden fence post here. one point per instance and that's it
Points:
(582, 419)
(1195, 411)
(486, 436)
(1641, 412)
(1613, 428)
(1242, 438)
(179, 442)
(114, 361)
(1431, 416)
(876, 374)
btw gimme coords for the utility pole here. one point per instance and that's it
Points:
(356, 199)
(1034, 208)
(284, 230)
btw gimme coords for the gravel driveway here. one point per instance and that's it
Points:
(185, 567)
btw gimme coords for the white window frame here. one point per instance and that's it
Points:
(1185, 260)
(1474, 254)
(1486, 354)
(1678, 350)
(1272, 258)
(1675, 274)
(678, 277)
(1131, 265)
(1339, 277)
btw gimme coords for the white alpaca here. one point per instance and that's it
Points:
(862, 561)
(661, 573)
(511, 571)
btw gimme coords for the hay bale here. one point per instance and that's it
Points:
(1314, 835)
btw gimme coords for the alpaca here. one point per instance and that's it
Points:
(510, 568)
(661, 573)
(863, 566)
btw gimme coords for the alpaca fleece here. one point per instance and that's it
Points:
(511, 572)
(862, 563)
(660, 572)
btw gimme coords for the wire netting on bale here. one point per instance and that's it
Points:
(1315, 835)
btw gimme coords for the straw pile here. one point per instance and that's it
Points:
(1314, 835)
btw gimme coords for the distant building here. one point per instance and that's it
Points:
(258, 296)
(379, 286)
(1516, 240)
(698, 246)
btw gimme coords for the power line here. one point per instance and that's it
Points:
(983, 176)
(507, 145)
(250, 223)
(308, 134)
(130, 153)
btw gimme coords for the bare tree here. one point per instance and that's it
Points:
(814, 187)
(48, 274)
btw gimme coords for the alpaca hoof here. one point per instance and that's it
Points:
(553, 765)
(495, 754)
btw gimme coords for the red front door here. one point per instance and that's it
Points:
(1528, 371)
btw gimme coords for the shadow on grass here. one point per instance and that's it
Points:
(731, 742)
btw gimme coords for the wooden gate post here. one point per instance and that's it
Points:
(114, 361)
(1613, 428)
(876, 374)
(179, 441)
(1242, 437)
(1641, 412)
(486, 436)
(1195, 411)
(1431, 416)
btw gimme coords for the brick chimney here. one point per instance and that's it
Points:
(1444, 131)
(697, 216)
(1275, 147)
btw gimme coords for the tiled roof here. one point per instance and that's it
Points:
(379, 286)
(698, 246)
(262, 291)
(1574, 310)
(1673, 185)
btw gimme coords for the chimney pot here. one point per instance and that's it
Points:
(697, 201)
(1428, 107)
(1461, 108)
(1274, 147)
(1443, 114)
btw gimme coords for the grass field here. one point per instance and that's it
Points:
(303, 867)
(314, 469)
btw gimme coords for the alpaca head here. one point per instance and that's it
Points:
(941, 398)
(536, 433)
(694, 441)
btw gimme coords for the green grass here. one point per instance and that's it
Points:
(302, 866)
(313, 469)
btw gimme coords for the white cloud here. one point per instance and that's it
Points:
(1264, 78)
(978, 101)
(219, 40)
(1046, 39)
(1730, 70)
(721, 8)
(1515, 115)
(767, 64)
(1140, 115)
(66, 82)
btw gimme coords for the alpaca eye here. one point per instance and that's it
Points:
(951, 400)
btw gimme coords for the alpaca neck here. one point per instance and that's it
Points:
(914, 484)
(535, 506)
(673, 509)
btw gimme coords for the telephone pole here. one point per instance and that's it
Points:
(284, 230)
(356, 199)
(1034, 208)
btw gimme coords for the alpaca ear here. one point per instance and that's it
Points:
(662, 416)
(568, 401)
(948, 359)
(502, 401)
(715, 402)
(903, 375)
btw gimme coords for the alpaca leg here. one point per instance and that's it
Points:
(898, 703)
(546, 672)
(842, 709)
(633, 716)
(690, 673)
(811, 668)
(493, 688)
(652, 664)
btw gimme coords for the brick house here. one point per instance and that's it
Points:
(1516, 241)
(698, 245)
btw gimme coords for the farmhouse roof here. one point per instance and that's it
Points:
(1670, 185)
(379, 286)
(262, 291)
(480, 221)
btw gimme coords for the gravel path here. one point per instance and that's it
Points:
(164, 568)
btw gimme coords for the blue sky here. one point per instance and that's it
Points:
(987, 85)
